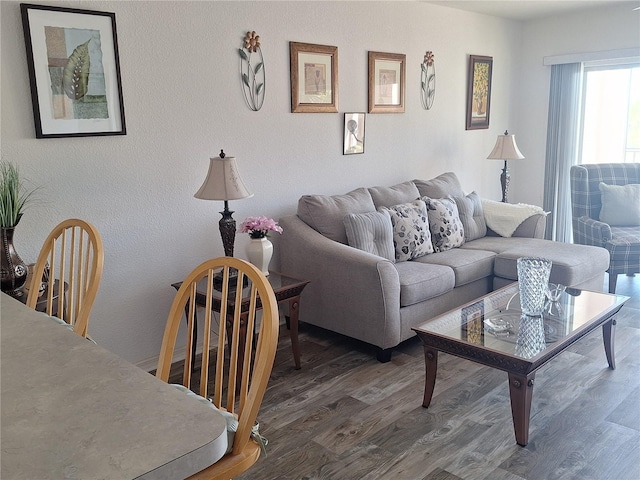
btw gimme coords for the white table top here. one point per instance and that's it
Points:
(71, 409)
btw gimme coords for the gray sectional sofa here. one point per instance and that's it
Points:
(368, 295)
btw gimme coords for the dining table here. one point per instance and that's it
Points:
(71, 409)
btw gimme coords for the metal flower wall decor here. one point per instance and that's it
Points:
(252, 71)
(428, 80)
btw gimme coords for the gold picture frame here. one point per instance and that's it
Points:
(314, 78)
(387, 74)
(479, 92)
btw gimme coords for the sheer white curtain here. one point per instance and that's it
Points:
(562, 147)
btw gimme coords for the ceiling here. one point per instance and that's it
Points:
(530, 9)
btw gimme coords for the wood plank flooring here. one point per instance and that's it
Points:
(344, 415)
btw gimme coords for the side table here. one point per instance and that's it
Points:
(286, 289)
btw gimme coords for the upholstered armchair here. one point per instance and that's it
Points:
(608, 217)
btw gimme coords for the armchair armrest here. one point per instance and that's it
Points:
(350, 291)
(587, 231)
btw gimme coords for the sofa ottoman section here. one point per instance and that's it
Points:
(573, 265)
(420, 282)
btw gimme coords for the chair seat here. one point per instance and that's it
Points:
(624, 249)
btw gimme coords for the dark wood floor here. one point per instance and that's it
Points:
(346, 416)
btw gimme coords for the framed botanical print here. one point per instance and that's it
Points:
(74, 71)
(314, 78)
(479, 92)
(387, 73)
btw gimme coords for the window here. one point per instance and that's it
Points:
(611, 120)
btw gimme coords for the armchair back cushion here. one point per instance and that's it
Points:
(586, 199)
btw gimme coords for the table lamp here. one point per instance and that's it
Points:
(505, 149)
(223, 182)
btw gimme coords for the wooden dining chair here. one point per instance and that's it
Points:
(70, 269)
(237, 381)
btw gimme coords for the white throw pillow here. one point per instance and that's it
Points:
(371, 232)
(446, 227)
(620, 204)
(411, 236)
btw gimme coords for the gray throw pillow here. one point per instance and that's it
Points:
(411, 235)
(371, 232)
(471, 216)
(620, 204)
(446, 228)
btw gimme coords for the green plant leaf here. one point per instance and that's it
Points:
(258, 67)
(259, 88)
(243, 55)
(75, 79)
(245, 79)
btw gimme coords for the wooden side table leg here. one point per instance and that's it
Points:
(608, 331)
(294, 310)
(521, 393)
(431, 367)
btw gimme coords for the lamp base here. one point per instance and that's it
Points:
(504, 182)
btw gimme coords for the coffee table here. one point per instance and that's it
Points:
(492, 331)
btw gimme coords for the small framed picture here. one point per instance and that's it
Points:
(386, 82)
(479, 92)
(314, 78)
(74, 71)
(353, 133)
(472, 323)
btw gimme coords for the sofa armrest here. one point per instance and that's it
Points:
(350, 291)
(532, 227)
(587, 231)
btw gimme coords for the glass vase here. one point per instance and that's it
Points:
(533, 278)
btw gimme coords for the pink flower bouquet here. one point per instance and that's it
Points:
(259, 227)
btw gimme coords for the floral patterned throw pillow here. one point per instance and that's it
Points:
(411, 235)
(446, 227)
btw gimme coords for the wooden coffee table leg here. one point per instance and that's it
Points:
(294, 310)
(431, 367)
(521, 392)
(608, 332)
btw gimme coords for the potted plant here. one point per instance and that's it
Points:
(260, 249)
(14, 197)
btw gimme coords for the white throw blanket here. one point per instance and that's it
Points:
(504, 218)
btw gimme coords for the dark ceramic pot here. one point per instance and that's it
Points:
(13, 271)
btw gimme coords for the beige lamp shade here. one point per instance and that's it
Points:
(223, 181)
(506, 148)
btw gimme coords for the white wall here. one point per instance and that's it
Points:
(183, 102)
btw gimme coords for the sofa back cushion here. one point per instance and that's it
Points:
(325, 214)
(388, 196)
(371, 232)
(440, 186)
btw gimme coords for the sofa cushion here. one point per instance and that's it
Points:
(411, 236)
(325, 214)
(446, 228)
(620, 204)
(468, 265)
(400, 193)
(420, 282)
(441, 186)
(471, 216)
(371, 232)
(572, 264)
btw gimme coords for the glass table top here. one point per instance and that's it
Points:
(496, 322)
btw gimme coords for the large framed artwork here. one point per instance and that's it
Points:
(314, 78)
(387, 73)
(479, 92)
(74, 71)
